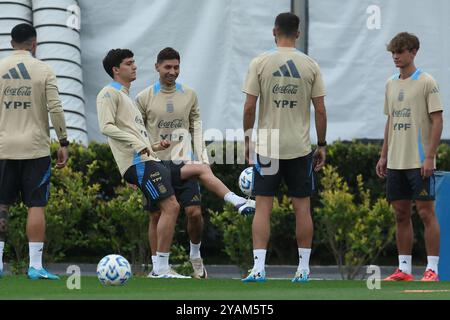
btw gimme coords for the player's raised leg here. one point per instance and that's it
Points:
(212, 183)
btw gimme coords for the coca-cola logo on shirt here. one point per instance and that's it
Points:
(174, 124)
(17, 92)
(287, 89)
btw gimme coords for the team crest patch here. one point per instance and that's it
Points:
(170, 107)
(401, 96)
(162, 189)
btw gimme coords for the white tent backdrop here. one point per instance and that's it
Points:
(216, 40)
(348, 39)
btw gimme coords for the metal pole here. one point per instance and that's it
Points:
(301, 8)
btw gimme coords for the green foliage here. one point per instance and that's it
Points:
(91, 213)
(123, 225)
(355, 232)
(236, 230)
(237, 234)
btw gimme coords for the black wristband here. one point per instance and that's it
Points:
(64, 143)
(322, 144)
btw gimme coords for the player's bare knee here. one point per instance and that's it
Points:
(171, 206)
(3, 221)
(194, 213)
(154, 217)
(402, 217)
(205, 170)
(427, 215)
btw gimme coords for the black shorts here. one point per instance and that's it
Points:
(187, 192)
(298, 174)
(409, 185)
(153, 178)
(28, 180)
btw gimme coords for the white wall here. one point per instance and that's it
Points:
(356, 65)
(216, 39)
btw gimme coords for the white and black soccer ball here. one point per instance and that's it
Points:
(113, 270)
(246, 181)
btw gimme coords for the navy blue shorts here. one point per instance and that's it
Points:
(187, 192)
(153, 178)
(298, 174)
(27, 180)
(409, 185)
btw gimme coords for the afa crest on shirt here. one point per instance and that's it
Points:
(401, 96)
(170, 107)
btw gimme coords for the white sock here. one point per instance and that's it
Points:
(2, 246)
(162, 262)
(259, 258)
(234, 199)
(153, 261)
(36, 250)
(433, 263)
(195, 251)
(405, 264)
(303, 259)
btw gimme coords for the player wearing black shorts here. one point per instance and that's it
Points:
(171, 112)
(285, 80)
(408, 158)
(120, 120)
(28, 95)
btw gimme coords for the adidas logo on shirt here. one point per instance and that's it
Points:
(19, 72)
(288, 70)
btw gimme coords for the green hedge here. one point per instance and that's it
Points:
(91, 212)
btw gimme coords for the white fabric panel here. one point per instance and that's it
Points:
(216, 39)
(59, 51)
(50, 18)
(356, 65)
(67, 69)
(18, 11)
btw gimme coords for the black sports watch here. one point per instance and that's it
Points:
(322, 144)
(64, 143)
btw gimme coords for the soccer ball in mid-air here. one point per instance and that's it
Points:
(246, 181)
(113, 270)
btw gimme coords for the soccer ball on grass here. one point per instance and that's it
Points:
(113, 270)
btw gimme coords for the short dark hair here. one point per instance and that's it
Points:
(288, 23)
(23, 32)
(114, 58)
(168, 54)
(403, 41)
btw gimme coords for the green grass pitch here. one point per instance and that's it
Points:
(139, 288)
